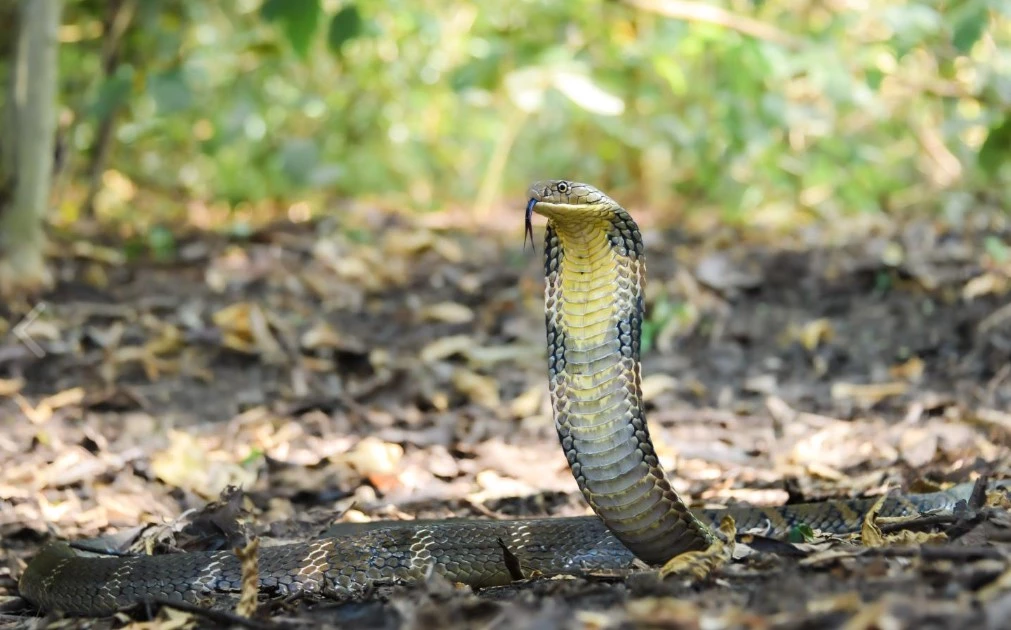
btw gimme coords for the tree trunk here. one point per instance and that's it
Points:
(31, 125)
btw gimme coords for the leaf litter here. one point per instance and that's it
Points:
(337, 379)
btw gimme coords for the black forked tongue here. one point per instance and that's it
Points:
(529, 227)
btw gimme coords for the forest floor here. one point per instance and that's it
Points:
(397, 370)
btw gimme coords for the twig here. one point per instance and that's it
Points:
(930, 552)
(920, 523)
(492, 179)
(963, 519)
(708, 14)
(217, 616)
(119, 17)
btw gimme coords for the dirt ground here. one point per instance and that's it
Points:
(341, 372)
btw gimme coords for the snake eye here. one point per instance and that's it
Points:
(563, 187)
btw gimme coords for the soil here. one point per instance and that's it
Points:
(336, 374)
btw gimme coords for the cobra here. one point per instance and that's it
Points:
(595, 273)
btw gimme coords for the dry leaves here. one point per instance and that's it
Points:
(11, 386)
(194, 464)
(247, 328)
(447, 313)
(476, 387)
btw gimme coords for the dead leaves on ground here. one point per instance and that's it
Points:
(433, 351)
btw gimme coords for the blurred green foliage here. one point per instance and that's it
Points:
(835, 107)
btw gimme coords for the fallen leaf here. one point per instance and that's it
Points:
(813, 333)
(719, 272)
(528, 403)
(655, 384)
(447, 312)
(869, 394)
(445, 347)
(321, 335)
(245, 329)
(98, 253)
(870, 533)
(985, 284)
(189, 464)
(918, 446)
(478, 388)
(911, 370)
(169, 340)
(11, 386)
(372, 456)
(670, 612)
(67, 397)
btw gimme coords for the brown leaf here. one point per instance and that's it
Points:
(918, 446)
(98, 253)
(11, 386)
(321, 335)
(189, 464)
(656, 384)
(445, 347)
(67, 397)
(869, 394)
(372, 456)
(664, 611)
(911, 370)
(168, 341)
(813, 333)
(528, 403)
(447, 312)
(986, 284)
(870, 533)
(479, 388)
(245, 329)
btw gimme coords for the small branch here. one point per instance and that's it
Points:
(698, 12)
(118, 20)
(492, 180)
(217, 616)
(931, 552)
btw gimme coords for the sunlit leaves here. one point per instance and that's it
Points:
(527, 86)
(345, 26)
(298, 158)
(586, 93)
(114, 91)
(911, 24)
(969, 21)
(170, 92)
(708, 115)
(996, 149)
(299, 19)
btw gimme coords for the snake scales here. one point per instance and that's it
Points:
(594, 312)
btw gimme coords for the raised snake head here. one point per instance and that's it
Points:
(567, 202)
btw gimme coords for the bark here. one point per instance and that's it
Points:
(31, 123)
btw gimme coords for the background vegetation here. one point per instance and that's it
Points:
(762, 111)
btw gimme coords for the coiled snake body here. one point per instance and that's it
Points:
(594, 312)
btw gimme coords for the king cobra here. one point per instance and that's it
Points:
(594, 313)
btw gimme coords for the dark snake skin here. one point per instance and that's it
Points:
(594, 311)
